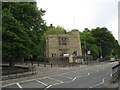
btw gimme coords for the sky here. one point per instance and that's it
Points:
(80, 14)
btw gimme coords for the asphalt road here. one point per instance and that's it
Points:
(92, 77)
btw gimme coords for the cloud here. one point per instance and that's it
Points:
(80, 14)
(113, 27)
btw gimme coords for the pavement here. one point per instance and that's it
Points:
(83, 76)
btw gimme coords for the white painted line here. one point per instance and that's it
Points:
(18, 82)
(74, 79)
(51, 78)
(19, 85)
(56, 83)
(111, 75)
(98, 84)
(103, 80)
(97, 70)
(43, 78)
(88, 74)
(49, 86)
(42, 82)
(56, 80)
(8, 85)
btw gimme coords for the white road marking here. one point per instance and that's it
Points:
(42, 78)
(59, 74)
(56, 80)
(111, 75)
(97, 84)
(103, 80)
(97, 70)
(47, 87)
(42, 82)
(56, 83)
(88, 74)
(74, 78)
(8, 85)
(19, 85)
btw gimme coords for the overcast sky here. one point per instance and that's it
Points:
(80, 14)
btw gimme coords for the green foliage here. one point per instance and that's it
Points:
(99, 41)
(22, 29)
(105, 40)
(57, 30)
(14, 37)
(88, 43)
(40, 58)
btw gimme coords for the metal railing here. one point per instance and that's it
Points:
(19, 73)
(115, 72)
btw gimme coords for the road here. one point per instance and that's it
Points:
(91, 77)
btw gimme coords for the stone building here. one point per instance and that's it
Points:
(63, 45)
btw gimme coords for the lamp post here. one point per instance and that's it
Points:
(85, 49)
(101, 52)
(88, 52)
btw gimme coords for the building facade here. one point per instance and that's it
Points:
(63, 44)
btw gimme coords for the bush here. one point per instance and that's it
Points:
(108, 57)
(40, 59)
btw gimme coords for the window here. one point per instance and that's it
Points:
(74, 53)
(53, 55)
(63, 41)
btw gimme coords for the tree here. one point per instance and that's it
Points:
(14, 38)
(105, 40)
(88, 43)
(22, 29)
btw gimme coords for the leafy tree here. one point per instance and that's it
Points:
(14, 37)
(88, 43)
(116, 50)
(105, 40)
(22, 29)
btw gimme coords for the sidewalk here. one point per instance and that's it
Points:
(45, 71)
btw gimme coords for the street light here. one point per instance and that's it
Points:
(85, 59)
(85, 48)
(101, 52)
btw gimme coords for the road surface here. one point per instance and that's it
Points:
(91, 77)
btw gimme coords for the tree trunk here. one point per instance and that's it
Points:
(12, 63)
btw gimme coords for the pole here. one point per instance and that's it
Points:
(85, 47)
(100, 52)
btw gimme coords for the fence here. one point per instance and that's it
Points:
(25, 71)
(115, 72)
(64, 61)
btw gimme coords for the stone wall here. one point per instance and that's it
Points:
(56, 44)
